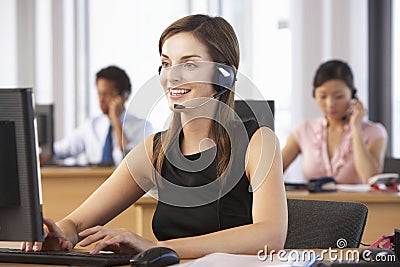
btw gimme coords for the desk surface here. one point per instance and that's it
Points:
(76, 172)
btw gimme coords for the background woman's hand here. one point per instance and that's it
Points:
(120, 240)
(358, 113)
(116, 108)
(54, 239)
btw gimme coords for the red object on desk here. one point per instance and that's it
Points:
(385, 187)
(385, 241)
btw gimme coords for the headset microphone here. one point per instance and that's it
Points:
(223, 91)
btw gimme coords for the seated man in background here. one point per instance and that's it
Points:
(340, 143)
(105, 139)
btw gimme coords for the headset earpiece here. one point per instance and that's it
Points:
(124, 94)
(354, 93)
(225, 77)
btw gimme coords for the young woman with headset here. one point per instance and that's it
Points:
(219, 181)
(339, 144)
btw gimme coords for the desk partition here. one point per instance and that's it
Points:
(64, 189)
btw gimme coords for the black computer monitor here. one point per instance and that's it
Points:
(263, 111)
(20, 188)
(45, 128)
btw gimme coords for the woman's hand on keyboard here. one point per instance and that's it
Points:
(54, 239)
(121, 240)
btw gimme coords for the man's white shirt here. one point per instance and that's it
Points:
(90, 137)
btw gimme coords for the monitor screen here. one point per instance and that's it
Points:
(261, 110)
(45, 128)
(20, 189)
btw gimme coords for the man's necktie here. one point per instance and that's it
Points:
(107, 149)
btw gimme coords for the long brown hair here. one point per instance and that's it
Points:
(222, 44)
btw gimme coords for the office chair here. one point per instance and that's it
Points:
(391, 165)
(325, 224)
(261, 110)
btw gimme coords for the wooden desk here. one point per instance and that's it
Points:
(65, 188)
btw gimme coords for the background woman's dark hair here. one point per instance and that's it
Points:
(118, 76)
(332, 70)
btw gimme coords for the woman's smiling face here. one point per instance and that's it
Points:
(181, 57)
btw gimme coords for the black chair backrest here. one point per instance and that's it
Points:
(263, 111)
(392, 165)
(325, 224)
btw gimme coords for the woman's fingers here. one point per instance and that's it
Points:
(54, 239)
(359, 105)
(37, 246)
(358, 113)
(26, 246)
(92, 235)
(52, 228)
(129, 242)
(23, 246)
(66, 245)
(31, 246)
(91, 231)
(116, 240)
(120, 241)
(107, 239)
(101, 245)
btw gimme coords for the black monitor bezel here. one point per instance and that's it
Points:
(23, 222)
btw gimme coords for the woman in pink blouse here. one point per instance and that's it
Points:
(339, 144)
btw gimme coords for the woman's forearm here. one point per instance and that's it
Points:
(246, 239)
(365, 163)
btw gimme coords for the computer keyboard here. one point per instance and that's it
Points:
(69, 258)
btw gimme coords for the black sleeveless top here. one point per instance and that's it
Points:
(192, 201)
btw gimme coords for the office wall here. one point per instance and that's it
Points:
(16, 50)
(8, 51)
(324, 30)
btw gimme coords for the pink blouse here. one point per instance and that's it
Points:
(312, 139)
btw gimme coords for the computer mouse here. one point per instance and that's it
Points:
(155, 257)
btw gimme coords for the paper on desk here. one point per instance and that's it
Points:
(353, 187)
(234, 260)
